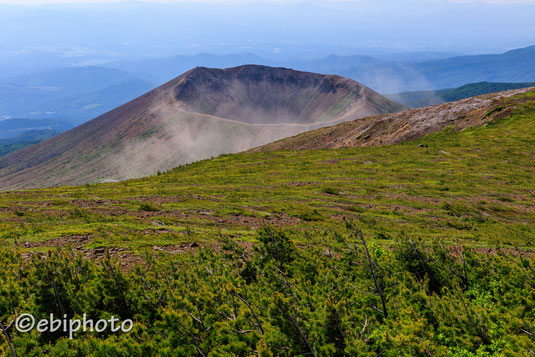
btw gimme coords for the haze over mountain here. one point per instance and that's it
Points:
(78, 94)
(74, 94)
(97, 31)
(203, 113)
(421, 99)
(393, 77)
(383, 75)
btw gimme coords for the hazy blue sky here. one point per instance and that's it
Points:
(102, 30)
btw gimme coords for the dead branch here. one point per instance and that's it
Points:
(6, 335)
(377, 286)
(258, 323)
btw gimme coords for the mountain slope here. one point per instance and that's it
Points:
(203, 113)
(426, 98)
(408, 125)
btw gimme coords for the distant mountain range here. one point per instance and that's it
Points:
(426, 98)
(10, 128)
(394, 77)
(203, 113)
(73, 94)
(78, 94)
(384, 76)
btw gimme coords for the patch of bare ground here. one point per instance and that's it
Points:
(96, 203)
(336, 161)
(160, 200)
(518, 207)
(194, 247)
(126, 258)
(160, 230)
(299, 183)
(456, 250)
(232, 220)
(72, 241)
(157, 213)
(257, 222)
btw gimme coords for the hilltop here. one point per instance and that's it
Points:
(203, 113)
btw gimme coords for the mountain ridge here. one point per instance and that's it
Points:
(404, 126)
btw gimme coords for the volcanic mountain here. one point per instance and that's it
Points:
(203, 113)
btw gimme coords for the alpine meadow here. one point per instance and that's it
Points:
(238, 178)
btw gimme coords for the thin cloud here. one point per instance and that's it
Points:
(47, 2)
(499, 2)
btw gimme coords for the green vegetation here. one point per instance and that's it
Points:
(9, 148)
(329, 295)
(261, 254)
(28, 138)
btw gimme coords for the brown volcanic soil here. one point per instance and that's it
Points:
(398, 127)
(260, 95)
(203, 113)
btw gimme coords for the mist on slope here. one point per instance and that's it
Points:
(188, 137)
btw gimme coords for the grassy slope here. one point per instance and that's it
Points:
(475, 186)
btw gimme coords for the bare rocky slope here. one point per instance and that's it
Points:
(203, 113)
(403, 126)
